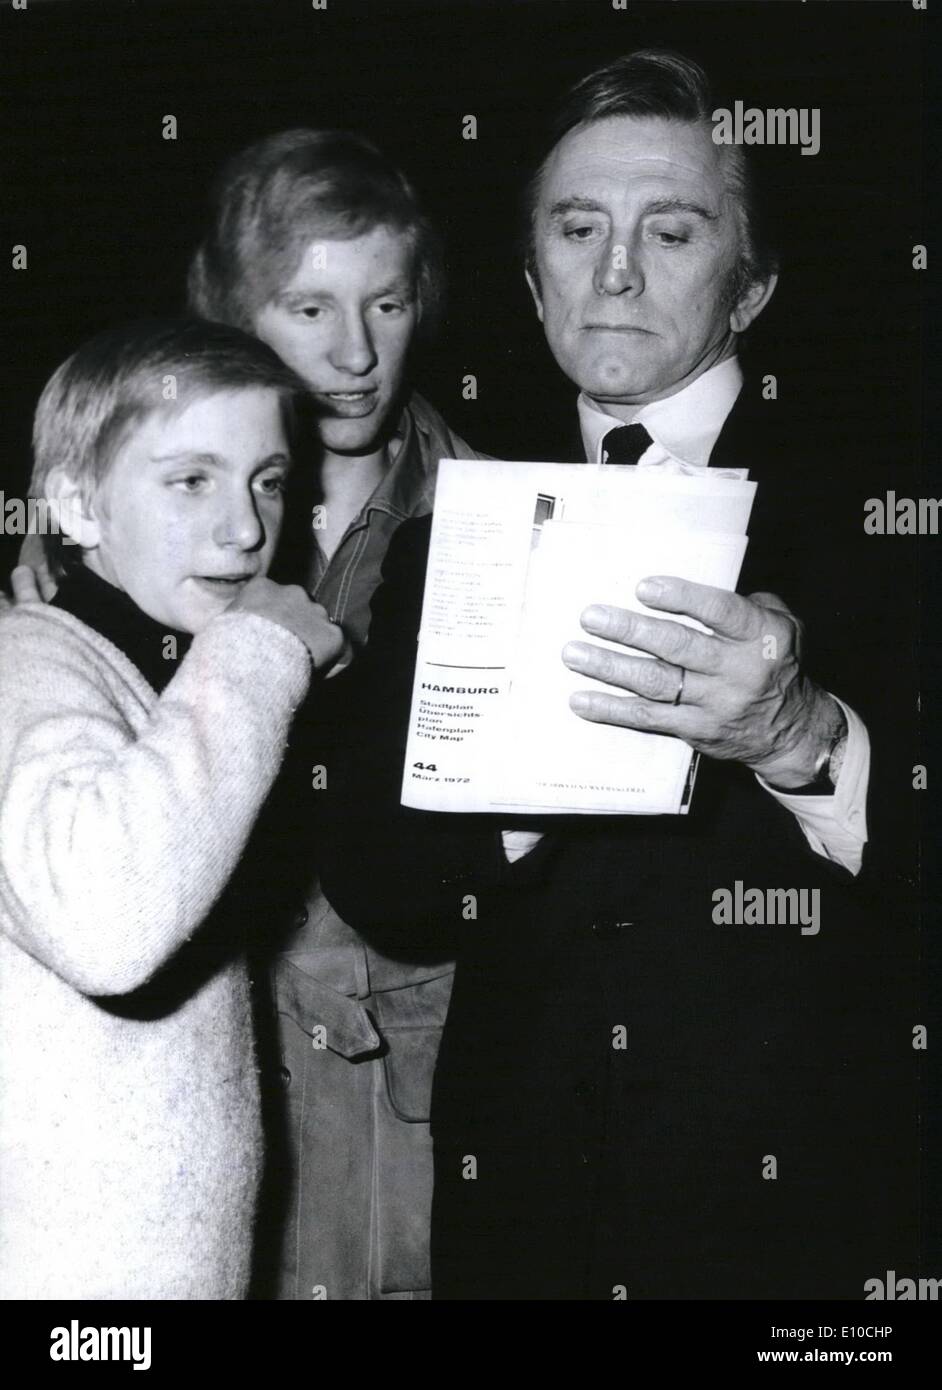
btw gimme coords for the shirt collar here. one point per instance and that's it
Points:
(409, 480)
(685, 425)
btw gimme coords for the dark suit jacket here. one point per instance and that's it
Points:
(756, 1135)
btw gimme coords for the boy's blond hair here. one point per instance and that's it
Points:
(274, 196)
(123, 375)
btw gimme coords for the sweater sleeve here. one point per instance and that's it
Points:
(118, 833)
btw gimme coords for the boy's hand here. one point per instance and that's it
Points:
(290, 607)
(32, 581)
(26, 586)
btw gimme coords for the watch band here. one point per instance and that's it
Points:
(826, 770)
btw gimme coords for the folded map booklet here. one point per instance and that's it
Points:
(518, 550)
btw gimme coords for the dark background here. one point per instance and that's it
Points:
(110, 211)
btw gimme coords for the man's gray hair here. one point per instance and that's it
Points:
(659, 83)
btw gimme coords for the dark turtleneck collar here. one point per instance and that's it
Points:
(115, 616)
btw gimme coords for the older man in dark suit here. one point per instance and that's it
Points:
(635, 1097)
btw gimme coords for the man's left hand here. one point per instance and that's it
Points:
(743, 695)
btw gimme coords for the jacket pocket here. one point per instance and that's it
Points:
(348, 1029)
(411, 1022)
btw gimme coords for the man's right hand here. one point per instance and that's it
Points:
(290, 607)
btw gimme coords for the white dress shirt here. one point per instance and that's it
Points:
(684, 429)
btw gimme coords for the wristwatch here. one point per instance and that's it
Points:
(827, 769)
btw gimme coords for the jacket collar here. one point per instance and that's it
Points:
(408, 485)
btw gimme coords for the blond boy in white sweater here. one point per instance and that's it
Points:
(143, 717)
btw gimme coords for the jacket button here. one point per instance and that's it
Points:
(284, 1076)
(607, 927)
(455, 876)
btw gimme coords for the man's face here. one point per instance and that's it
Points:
(636, 242)
(191, 506)
(344, 322)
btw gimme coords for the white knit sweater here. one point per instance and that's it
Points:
(130, 1143)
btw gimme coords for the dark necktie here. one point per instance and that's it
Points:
(625, 444)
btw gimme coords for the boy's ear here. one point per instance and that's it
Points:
(76, 516)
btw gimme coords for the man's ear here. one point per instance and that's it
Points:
(535, 291)
(76, 515)
(751, 302)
